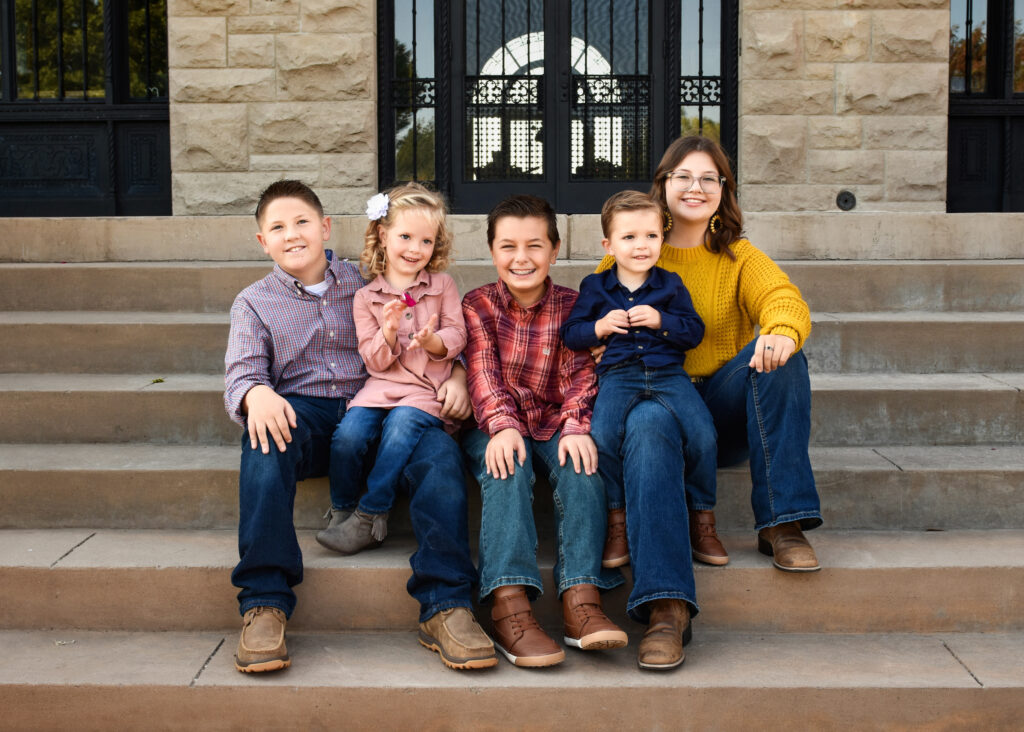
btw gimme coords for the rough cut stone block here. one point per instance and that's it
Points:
(216, 85)
(251, 51)
(826, 133)
(906, 133)
(832, 36)
(772, 149)
(770, 96)
(820, 72)
(325, 66)
(209, 137)
(338, 16)
(218, 194)
(846, 167)
(196, 42)
(305, 127)
(772, 45)
(893, 4)
(349, 169)
(275, 7)
(347, 201)
(757, 197)
(307, 163)
(749, 5)
(910, 35)
(916, 175)
(871, 89)
(207, 7)
(263, 24)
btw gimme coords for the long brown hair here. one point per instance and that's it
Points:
(731, 227)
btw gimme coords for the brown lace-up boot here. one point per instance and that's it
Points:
(616, 547)
(586, 625)
(518, 635)
(707, 547)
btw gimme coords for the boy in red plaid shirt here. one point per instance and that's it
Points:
(532, 401)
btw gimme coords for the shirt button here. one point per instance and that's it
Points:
(333, 387)
(631, 299)
(664, 333)
(640, 347)
(333, 365)
(331, 334)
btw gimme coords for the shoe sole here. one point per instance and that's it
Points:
(552, 659)
(711, 559)
(274, 664)
(616, 562)
(345, 553)
(601, 641)
(687, 637)
(431, 644)
(765, 547)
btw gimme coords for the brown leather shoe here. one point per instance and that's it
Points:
(518, 635)
(668, 630)
(616, 547)
(586, 625)
(458, 639)
(790, 548)
(704, 539)
(261, 646)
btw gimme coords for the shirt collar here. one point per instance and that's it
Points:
(655, 279)
(294, 286)
(511, 303)
(425, 284)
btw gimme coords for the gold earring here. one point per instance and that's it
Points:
(668, 222)
(715, 224)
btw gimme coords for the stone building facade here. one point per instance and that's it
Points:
(834, 95)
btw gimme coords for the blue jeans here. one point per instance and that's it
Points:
(508, 534)
(399, 430)
(270, 562)
(767, 417)
(621, 389)
(657, 527)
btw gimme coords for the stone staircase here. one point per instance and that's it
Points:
(118, 503)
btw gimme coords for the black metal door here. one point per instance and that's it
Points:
(986, 106)
(83, 108)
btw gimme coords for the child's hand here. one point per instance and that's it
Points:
(454, 395)
(502, 451)
(391, 316)
(581, 449)
(644, 316)
(426, 338)
(616, 321)
(268, 412)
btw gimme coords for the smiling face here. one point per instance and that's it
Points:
(634, 239)
(693, 206)
(408, 246)
(293, 233)
(523, 254)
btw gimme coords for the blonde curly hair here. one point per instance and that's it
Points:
(405, 197)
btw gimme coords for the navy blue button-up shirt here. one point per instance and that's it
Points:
(681, 328)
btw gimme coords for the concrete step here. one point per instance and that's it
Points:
(187, 681)
(178, 580)
(829, 286)
(172, 343)
(136, 486)
(849, 409)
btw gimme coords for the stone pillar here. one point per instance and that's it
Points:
(268, 89)
(843, 95)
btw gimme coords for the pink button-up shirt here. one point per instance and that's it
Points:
(398, 376)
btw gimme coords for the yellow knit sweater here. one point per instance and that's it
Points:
(732, 298)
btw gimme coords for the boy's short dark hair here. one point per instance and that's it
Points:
(522, 206)
(287, 189)
(625, 201)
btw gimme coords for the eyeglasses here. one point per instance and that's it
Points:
(707, 183)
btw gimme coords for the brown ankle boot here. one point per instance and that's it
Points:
(616, 547)
(790, 548)
(586, 625)
(667, 632)
(518, 635)
(704, 539)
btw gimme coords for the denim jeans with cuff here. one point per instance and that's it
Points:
(508, 534)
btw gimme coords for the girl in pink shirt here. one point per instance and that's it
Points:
(410, 329)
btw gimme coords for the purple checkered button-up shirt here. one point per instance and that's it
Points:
(293, 341)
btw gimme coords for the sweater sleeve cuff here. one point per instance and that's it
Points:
(785, 330)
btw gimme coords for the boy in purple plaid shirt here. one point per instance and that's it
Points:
(291, 367)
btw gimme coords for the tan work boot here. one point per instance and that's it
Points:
(790, 548)
(459, 639)
(616, 546)
(518, 635)
(667, 632)
(586, 625)
(704, 539)
(261, 646)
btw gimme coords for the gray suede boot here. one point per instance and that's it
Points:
(357, 532)
(328, 537)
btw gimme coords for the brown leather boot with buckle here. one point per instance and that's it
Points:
(261, 646)
(704, 539)
(586, 625)
(790, 548)
(518, 635)
(668, 630)
(616, 547)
